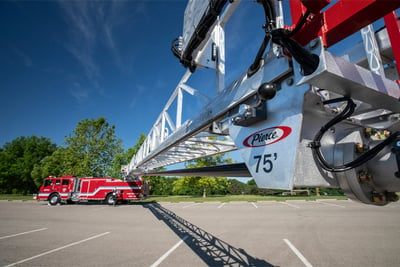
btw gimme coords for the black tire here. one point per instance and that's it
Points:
(110, 199)
(54, 199)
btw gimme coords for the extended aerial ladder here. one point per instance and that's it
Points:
(299, 116)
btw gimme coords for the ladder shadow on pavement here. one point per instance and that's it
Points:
(212, 250)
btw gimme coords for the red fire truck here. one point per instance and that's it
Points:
(69, 189)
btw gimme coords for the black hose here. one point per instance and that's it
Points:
(206, 21)
(174, 48)
(346, 113)
(308, 62)
(257, 61)
(270, 20)
(300, 23)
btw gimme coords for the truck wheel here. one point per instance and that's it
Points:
(54, 199)
(110, 199)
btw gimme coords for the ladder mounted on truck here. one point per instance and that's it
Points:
(299, 116)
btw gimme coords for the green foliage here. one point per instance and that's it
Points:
(52, 165)
(125, 157)
(236, 187)
(231, 198)
(214, 185)
(94, 150)
(160, 185)
(251, 188)
(200, 186)
(214, 160)
(203, 185)
(17, 160)
(91, 149)
(186, 186)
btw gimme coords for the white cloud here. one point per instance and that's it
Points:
(24, 57)
(92, 26)
(82, 35)
(139, 90)
(79, 93)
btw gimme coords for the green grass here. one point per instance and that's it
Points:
(248, 198)
(11, 197)
(232, 198)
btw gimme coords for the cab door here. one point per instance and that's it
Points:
(56, 185)
(65, 187)
(46, 189)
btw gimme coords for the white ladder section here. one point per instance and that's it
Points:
(172, 141)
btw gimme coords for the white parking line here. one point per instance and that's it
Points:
(254, 204)
(297, 252)
(288, 204)
(24, 233)
(223, 204)
(331, 204)
(166, 254)
(57, 249)
(195, 204)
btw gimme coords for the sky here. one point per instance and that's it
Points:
(63, 61)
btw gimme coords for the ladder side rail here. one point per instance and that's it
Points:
(143, 152)
(241, 89)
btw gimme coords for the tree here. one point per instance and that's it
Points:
(202, 185)
(91, 149)
(251, 187)
(125, 157)
(217, 159)
(236, 187)
(213, 185)
(17, 160)
(186, 186)
(160, 185)
(52, 165)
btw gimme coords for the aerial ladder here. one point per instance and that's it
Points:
(299, 116)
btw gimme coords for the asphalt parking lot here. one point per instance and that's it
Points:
(293, 233)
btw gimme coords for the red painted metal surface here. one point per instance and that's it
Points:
(347, 17)
(297, 9)
(315, 6)
(340, 20)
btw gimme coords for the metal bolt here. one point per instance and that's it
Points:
(378, 197)
(290, 81)
(364, 177)
(361, 148)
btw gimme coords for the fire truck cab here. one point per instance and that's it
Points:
(70, 189)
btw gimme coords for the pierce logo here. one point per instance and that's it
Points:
(267, 136)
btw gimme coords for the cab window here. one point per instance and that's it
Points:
(57, 182)
(47, 182)
(65, 182)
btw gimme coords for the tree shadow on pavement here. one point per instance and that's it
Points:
(212, 250)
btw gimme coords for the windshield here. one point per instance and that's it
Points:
(47, 182)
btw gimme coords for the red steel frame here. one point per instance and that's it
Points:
(344, 18)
